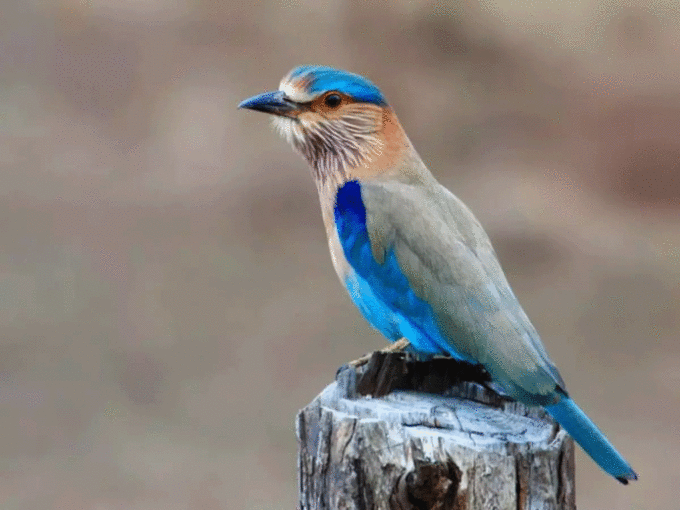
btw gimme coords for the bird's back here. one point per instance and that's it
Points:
(449, 263)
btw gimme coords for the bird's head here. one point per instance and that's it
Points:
(338, 121)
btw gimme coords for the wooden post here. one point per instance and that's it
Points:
(465, 449)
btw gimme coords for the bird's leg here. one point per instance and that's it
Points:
(398, 346)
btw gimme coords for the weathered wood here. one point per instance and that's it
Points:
(467, 449)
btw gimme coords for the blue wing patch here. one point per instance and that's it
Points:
(381, 291)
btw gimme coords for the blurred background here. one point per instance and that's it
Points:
(167, 302)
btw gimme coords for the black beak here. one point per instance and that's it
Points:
(275, 103)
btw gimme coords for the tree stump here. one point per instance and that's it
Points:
(402, 434)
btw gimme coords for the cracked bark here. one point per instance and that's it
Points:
(450, 444)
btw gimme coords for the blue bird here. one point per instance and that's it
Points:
(413, 257)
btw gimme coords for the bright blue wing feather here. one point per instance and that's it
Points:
(381, 291)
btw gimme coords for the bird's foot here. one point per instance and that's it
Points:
(399, 346)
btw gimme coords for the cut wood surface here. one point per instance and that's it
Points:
(449, 445)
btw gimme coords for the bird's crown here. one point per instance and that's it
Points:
(305, 83)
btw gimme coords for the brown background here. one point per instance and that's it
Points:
(167, 302)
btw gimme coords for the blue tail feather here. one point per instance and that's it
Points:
(594, 442)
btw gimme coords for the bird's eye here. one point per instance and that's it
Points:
(332, 100)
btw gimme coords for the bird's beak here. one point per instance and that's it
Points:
(275, 103)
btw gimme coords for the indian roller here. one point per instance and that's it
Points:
(413, 257)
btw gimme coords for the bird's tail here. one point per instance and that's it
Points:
(594, 442)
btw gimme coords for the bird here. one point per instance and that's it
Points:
(413, 257)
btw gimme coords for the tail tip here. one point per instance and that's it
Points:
(631, 476)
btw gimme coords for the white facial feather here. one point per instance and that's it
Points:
(334, 145)
(288, 129)
(295, 91)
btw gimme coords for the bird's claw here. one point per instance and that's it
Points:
(399, 346)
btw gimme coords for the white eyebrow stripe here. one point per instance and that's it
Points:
(295, 92)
